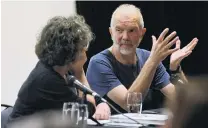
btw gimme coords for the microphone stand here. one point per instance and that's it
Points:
(84, 101)
(84, 98)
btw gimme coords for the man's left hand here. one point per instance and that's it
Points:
(179, 55)
(102, 112)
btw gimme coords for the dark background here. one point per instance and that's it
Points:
(189, 19)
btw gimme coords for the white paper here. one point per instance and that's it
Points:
(90, 122)
(120, 120)
(155, 119)
(158, 117)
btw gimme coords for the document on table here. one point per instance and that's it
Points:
(115, 124)
(143, 119)
(155, 119)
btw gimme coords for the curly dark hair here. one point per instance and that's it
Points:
(61, 40)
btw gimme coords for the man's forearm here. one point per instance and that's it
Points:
(144, 80)
(141, 84)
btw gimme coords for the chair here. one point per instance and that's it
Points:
(5, 114)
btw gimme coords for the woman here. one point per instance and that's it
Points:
(61, 50)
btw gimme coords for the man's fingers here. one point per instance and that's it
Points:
(193, 40)
(175, 40)
(101, 116)
(170, 51)
(169, 37)
(178, 44)
(97, 116)
(162, 35)
(104, 115)
(153, 39)
(192, 44)
(187, 54)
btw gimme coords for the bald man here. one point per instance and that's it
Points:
(124, 68)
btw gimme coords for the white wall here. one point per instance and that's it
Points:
(21, 22)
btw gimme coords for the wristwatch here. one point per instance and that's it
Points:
(175, 76)
(178, 70)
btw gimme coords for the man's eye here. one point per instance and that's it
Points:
(118, 30)
(132, 30)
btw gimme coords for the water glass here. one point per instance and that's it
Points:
(134, 102)
(71, 112)
(83, 115)
(76, 114)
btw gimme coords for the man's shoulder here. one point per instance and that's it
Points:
(104, 55)
(142, 51)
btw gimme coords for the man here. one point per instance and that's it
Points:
(124, 68)
(61, 50)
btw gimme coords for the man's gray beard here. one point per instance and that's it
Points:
(124, 51)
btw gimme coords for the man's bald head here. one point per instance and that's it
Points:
(127, 11)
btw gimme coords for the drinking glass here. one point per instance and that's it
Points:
(71, 112)
(134, 102)
(83, 115)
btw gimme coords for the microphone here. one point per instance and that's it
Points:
(72, 80)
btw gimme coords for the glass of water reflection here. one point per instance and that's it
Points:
(71, 112)
(134, 102)
(84, 114)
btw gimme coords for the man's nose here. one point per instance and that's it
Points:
(125, 36)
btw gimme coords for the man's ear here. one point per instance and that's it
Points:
(143, 31)
(110, 31)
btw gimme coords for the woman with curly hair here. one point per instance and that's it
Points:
(61, 50)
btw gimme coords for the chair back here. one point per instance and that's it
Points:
(5, 114)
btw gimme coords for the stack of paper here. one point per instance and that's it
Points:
(142, 120)
(155, 119)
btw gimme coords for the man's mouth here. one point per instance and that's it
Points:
(126, 45)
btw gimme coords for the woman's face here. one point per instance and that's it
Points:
(82, 57)
(80, 60)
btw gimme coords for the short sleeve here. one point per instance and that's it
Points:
(161, 78)
(101, 77)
